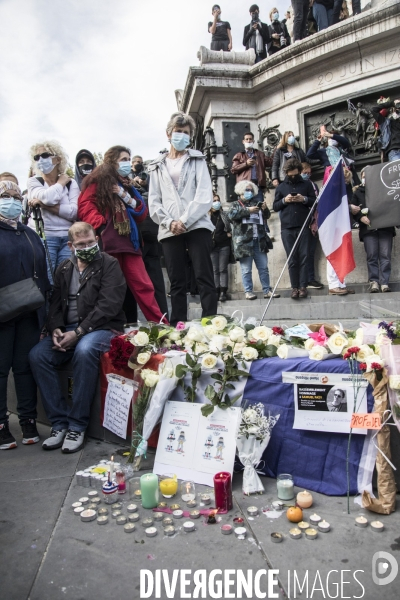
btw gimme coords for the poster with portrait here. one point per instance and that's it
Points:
(382, 194)
(326, 401)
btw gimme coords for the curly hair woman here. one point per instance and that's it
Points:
(112, 206)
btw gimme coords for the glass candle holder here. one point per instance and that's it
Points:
(168, 485)
(188, 491)
(134, 489)
(285, 486)
(120, 477)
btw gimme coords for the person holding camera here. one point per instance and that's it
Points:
(293, 199)
(256, 35)
(251, 164)
(220, 31)
(251, 242)
(278, 33)
(287, 148)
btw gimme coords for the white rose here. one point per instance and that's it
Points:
(141, 338)
(364, 351)
(152, 379)
(218, 342)
(238, 347)
(310, 343)
(394, 382)
(249, 353)
(210, 330)
(143, 358)
(374, 358)
(260, 333)
(250, 414)
(274, 340)
(317, 353)
(359, 336)
(208, 361)
(237, 334)
(337, 342)
(219, 323)
(195, 334)
(382, 339)
(175, 336)
(166, 371)
(283, 350)
(199, 348)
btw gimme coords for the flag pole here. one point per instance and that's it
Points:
(297, 240)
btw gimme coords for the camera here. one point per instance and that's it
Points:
(259, 204)
(282, 40)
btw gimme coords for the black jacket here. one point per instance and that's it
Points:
(277, 27)
(16, 260)
(78, 176)
(317, 153)
(293, 214)
(248, 32)
(359, 200)
(279, 160)
(394, 143)
(100, 296)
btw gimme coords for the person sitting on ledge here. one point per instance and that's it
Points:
(220, 31)
(256, 35)
(85, 313)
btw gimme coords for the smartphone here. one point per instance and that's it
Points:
(293, 194)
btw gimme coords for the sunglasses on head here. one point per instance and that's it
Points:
(43, 155)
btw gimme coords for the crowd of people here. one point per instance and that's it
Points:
(301, 20)
(86, 250)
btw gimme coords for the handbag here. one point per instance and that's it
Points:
(21, 297)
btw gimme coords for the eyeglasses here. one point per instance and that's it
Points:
(8, 197)
(83, 245)
(43, 155)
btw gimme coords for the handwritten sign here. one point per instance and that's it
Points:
(366, 421)
(117, 403)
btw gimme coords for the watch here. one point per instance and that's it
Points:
(79, 333)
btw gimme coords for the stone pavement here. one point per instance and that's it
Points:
(47, 553)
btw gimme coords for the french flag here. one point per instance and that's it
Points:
(334, 227)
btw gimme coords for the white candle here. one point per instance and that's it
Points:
(361, 521)
(324, 526)
(377, 526)
(315, 519)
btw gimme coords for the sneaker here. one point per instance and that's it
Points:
(250, 296)
(373, 287)
(29, 432)
(7, 440)
(55, 440)
(316, 285)
(338, 291)
(271, 295)
(385, 288)
(73, 441)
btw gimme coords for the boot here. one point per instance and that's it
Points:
(223, 297)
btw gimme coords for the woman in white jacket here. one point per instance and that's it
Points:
(180, 196)
(56, 195)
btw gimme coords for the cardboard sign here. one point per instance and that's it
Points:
(365, 421)
(117, 403)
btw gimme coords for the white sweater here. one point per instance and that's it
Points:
(55, 225)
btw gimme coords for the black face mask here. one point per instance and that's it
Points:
(294, 178)
(138, 167)
(85, 169)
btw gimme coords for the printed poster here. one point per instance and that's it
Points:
(325, 401)
(196, 447)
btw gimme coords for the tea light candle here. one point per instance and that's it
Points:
(133, 518)
(205, 498)
(92, 494)
(102, 520)
(78, 510)
(167, 522)
(147, 522)
(137, 494)
(149, 490)
(151, 532)
(238, 520)
(252, 511)
(96, 500)
(116, 513)
(88, 515)
(226, 529)
(117, 506)
(361, 521)
(315, 519)
(170, 530)
(295, 533)
(92, 506)
(324, 526)
(304, 499)
(188, 491)
(162, 505)
(121, 520)
(276, 537)
(175, 507)
(84, 500)
(311, 533)
(158, 516)
(194, 514)
(191, 503)
(177, 514)
(240, 532)
(76, 504)
(377, 526)
(303, 525)
(188, 526)
(223, 490)
(132, 508)
(129, 527)
(102, 512)
(285, 487)
(277, 505)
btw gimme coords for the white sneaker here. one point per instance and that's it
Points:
(73, 441)
(250, 296)
(55, 440)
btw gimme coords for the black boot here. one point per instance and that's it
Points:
(223, 297)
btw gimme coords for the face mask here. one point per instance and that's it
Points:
(180, 140)
(124, 167)
(10, 208)
(216, 205)
(305, 176)
(291, 140)
(87, 254)
(363, 181)
(275, 16)
(85, 169)
(332, 142)
(247, 195)
(138, 167)
(46, 165)
(293, 178)
(248, 145)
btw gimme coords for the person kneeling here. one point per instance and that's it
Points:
(85, 313)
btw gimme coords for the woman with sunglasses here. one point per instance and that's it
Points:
(21, 254)
(56, 195)
(114, 208)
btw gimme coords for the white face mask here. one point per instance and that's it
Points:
(363, 181)
(332, 142)
(248, 145)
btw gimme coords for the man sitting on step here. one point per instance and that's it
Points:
(85, 313)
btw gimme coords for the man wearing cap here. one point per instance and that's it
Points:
(256, 35)
(220, 31)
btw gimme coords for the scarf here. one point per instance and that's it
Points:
(124, 216)
(256, 40)
(11, 222)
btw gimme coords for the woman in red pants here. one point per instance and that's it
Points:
(113, 207)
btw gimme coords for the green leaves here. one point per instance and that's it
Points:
(207, 409)
(180, 371)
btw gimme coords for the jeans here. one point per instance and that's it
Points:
(312, 245)
(151, 259)
(300, 9)
(394, 155)
(220, 261)
(246, 264)
(337, 7)
(298, 268)
(198, 243)
(85, 358)
(322, 15)
(59, 251)
(17, 338)
(378, 247)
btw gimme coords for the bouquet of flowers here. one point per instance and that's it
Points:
(253, 438)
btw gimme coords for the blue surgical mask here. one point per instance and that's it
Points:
(305, 176)
(180, 140)
(247, 195)
(216, 205)
(291, 140)
(275, 16)
(10, 208)
(46, 165)
(124, 168)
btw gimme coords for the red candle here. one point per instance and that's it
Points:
(223, 491)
